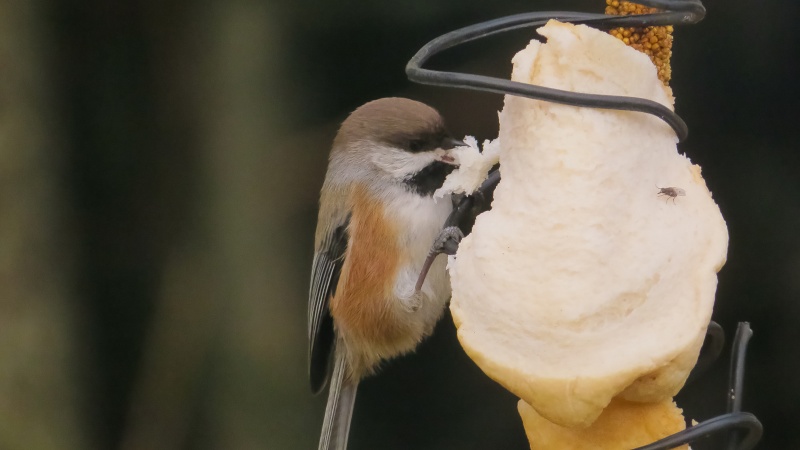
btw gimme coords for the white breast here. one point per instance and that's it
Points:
(420, 220)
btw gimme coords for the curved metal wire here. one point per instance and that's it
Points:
(720, 424)
(743, 429)
(736, 381)
(712, 348)
(675, 12)
(734, 422)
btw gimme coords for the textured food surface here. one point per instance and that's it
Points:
(655, 42)
(473, 166)
(584, 282)
(622, 425)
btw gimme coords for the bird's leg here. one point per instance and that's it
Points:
(447, 242)
(465, 209)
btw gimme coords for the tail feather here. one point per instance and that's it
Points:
(339, 411)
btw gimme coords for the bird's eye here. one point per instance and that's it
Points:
(416, 145)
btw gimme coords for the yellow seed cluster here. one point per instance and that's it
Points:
(655, 42)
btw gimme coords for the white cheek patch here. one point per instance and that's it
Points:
(401, 164)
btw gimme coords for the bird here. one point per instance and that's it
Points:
(377, 220)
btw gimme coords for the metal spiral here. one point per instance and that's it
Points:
(675, 12)
(742, 429)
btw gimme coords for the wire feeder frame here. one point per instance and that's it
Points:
(741, 429)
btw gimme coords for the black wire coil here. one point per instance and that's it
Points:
(675, 12)
(742, 429)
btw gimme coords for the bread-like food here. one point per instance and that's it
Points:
(623, 425)
(585, 282)
(473, 167)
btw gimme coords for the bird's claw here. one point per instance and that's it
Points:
(446, 242)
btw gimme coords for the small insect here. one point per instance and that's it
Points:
(671, 192)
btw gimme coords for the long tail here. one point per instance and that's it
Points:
(341, 398)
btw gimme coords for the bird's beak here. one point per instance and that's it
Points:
(448, 144)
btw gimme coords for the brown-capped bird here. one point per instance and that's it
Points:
(377, 220)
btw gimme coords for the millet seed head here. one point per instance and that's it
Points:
(655, 42)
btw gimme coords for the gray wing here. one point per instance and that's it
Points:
(328, 262)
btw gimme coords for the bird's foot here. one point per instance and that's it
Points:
(447, 242)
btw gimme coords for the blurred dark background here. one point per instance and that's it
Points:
(160, 163)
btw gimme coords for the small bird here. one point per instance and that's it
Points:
(377, 221)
